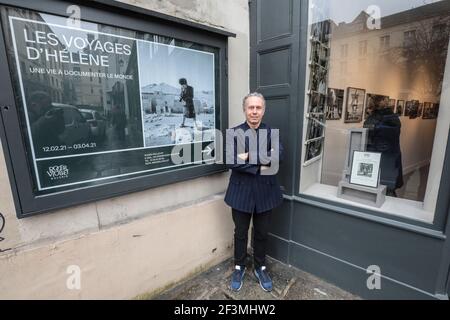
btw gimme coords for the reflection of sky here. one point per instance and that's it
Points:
(160, 63)
(348, 10)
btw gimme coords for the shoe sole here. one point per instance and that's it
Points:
(242, 282)
(259, 281)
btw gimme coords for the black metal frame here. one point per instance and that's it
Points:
(121, 15)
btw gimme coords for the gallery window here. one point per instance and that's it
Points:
(376, 129)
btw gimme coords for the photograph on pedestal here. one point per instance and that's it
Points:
(365, 169)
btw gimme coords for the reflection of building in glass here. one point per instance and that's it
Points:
(407, 54)
(402, 60)
(58, 87)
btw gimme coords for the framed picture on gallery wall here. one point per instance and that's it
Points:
(365, 170)
(354, 105)
(335, 101)
(411, 108)
(420, 110)
(430, 110)
(400, 107)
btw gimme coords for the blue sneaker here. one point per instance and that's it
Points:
(264, 279)
(237, 279)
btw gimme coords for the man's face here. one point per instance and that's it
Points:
(254, 110)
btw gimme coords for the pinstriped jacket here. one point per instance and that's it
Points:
(248, 190)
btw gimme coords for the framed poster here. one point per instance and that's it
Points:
(355, 105)
(365, 170)
(400, 107)
(335, 101)
(107, 106)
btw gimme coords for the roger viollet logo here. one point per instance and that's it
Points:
(58, 172)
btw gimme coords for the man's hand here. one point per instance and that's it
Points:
(243, 156)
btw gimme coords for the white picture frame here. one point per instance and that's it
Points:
(365, 169)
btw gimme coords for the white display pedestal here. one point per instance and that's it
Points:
(357, 141)
(365, 195)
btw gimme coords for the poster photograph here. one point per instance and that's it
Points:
(355, 105)
(365, 169)
(180, 98)
(100, 104)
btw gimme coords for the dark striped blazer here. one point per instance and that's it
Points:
(248, 189)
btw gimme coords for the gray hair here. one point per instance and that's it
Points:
(253, 94)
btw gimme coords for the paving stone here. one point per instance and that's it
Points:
(289, 284)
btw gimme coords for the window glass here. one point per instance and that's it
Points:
(376, 74)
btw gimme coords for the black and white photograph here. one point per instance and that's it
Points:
(318, 79)
(412, 108)
(400, 107)
(375, 102)
(365, 168)
(317, 103)
(313, 149)
(315, 52)
(320, 31)
(177, 92)
(335, 101)
(420, 110)
(430, 110)
(316, 125)
(355, 105)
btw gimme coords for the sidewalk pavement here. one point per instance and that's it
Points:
(289, 284)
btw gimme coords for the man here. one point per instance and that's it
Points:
(187, 97)
(253, 189)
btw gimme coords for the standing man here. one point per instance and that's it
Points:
(252, 152)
